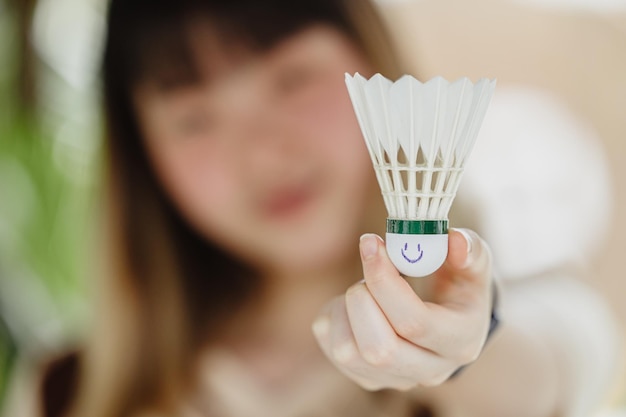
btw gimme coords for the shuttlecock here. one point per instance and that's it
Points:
(419, 136)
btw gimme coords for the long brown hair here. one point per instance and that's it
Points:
(167, 290)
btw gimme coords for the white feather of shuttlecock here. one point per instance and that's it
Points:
(419, 136)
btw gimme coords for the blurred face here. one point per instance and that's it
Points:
(265, 157)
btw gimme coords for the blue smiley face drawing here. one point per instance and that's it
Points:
(412, 260)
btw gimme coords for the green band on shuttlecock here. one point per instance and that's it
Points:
(417, 227)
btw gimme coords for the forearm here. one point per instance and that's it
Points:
(515, 376)
(543, 361)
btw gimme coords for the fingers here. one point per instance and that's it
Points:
(382, 334)
(356, 336)
(334, 335)
(450, 332)
(381, 347)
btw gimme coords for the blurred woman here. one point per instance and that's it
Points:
(238, 187)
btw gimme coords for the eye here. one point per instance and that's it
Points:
(194, 124)
(294, 79)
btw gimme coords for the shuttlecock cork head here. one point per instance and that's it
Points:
(419, 136)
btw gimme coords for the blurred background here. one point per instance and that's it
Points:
(49, 131)
(574, 50)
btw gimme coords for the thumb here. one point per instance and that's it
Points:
(377, 267)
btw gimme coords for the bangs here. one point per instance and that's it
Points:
(151, 41)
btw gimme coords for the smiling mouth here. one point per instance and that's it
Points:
(412, 260)
(288, 202)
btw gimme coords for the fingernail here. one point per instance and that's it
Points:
(468, 240)
(344, 353)
(369, 246)
(321, 327)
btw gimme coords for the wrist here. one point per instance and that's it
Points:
(494, 323)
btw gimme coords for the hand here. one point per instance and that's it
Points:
(381, 334)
